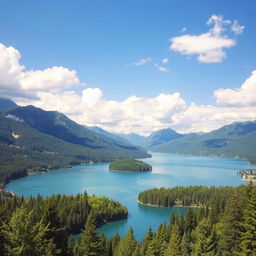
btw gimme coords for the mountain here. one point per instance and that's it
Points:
(133, 138)
(31, 138)
(6, 104)
(108, 135)
(159, 137)
(234, 140)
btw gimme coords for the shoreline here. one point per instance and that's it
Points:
(153, 205)
(111, 170)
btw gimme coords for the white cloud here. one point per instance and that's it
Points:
(207, 118)
(210, 46)
(49, 79)
(142, 61)
(163, 69)
(47, 89)
(165, 60)
(16, 81)
(243, 96)
(236, 28)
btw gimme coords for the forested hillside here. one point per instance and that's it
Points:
(235, 140)
(32, 139)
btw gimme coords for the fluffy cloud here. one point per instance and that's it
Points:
(16, 81)
(142, 61)
(206, 118)
(244, 96)
(52, 89)
(210, 46)
(135, 114)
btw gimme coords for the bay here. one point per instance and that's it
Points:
(169, 170)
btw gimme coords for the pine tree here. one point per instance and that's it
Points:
(112, 244)
(205, 239)
(158, 244)
(248, 244)
(174, 246)
(89, 243)
(232, 226)
(24, 238)
(127, 245)
(3, 221)
(56, 229)
(146, 241)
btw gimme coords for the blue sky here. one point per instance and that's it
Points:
(105, 41)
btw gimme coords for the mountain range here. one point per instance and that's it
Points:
(32, 139)
(234, 140)
(35, 139)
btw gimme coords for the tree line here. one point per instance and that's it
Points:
(196, 196)
(214, 231)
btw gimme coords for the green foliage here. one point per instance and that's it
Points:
(205, 239)
(174, 246)
(89, 243)
(196, 196)
(127, 245)
(24, 238)
(248, 239)
(130, 165)
(70, 211)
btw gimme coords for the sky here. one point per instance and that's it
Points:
(132, 66)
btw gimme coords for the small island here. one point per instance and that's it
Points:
(130, 165)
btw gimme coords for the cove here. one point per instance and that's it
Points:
(169, 170)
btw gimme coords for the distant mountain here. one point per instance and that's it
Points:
(133, 138)
(234, 140)
(109, 135)
(33, 138)
(6, 104)
(159, 137)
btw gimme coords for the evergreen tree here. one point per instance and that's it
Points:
(112, 244)
(24, 238)
(127, 245)
(174, 246)
(205, 239)
(232, 226)
(102, 245)
(146, 241)
(3, 221)
(56, 230)
(248, 244)
(186, 245)
(89, 243)
(158, 244)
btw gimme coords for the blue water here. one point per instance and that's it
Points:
(169, 170)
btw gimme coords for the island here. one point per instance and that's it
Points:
(130, 165)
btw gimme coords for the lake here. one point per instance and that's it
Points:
(169, 170)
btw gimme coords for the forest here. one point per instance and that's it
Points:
(196, 196)
(28, 227)
(130, 165)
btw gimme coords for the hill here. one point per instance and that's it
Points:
(36, 140)
(234, 140)
(133, 138)
(159, 137)
(6, 104)
(129, 165)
